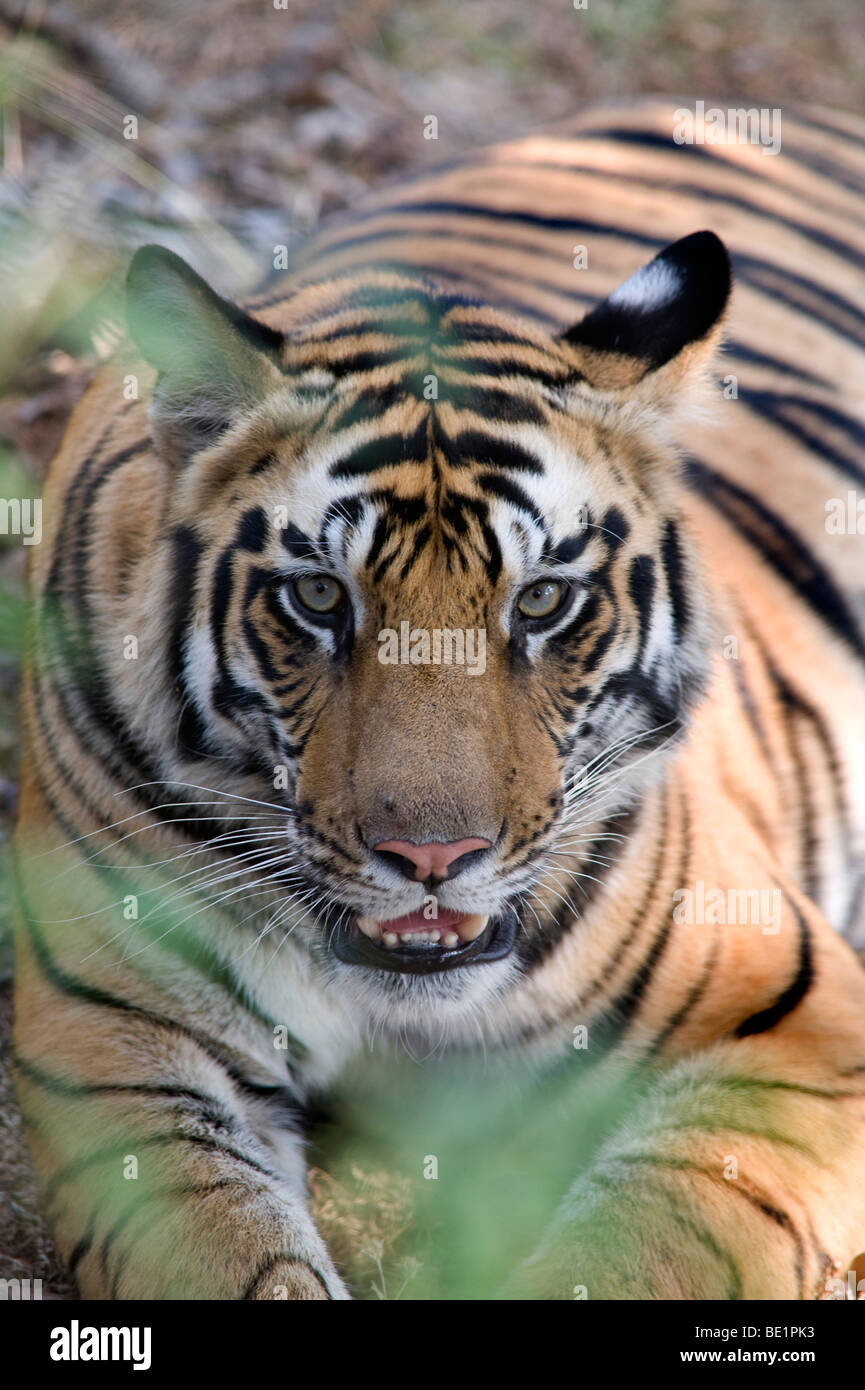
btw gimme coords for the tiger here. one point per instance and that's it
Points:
(458, 642)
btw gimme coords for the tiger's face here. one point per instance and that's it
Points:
(438, 602)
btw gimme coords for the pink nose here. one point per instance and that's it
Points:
(432, 858)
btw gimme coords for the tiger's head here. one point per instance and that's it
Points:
(422, 586)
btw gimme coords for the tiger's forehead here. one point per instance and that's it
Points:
(348, 329)
(450, 485)
(439, 428)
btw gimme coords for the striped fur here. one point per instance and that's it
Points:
(423, 415)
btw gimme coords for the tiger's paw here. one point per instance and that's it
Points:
(294, 1280)
(610, 1244)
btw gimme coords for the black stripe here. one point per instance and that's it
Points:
(420, 542)
(62, 641)
(138, 1205)
(473, 446)
(733, 347)
(751, 710)
(686, 1222)
(76, 988)
(492, 403)
(795, 992)
(668, 187)
(539, 947)
(674, 573)
(369, 404)
(783, 411)
(60, 1086)
(641, 587)
(383, 451)
(187, 550)
(500, 486)
(759, 1083)
(271, 1263)
(82, 1248)
(781, 548)
(366, 361)
(623, 1009)
(756, 1199)
(656, 140)
(806, 808)
(692, 998)
(80, 1165)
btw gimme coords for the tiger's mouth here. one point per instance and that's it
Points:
(415, 945)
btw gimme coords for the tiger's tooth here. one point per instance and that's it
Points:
(370, 927)
(465, 931)
(472, 927)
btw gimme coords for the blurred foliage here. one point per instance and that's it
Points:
(475, 1161)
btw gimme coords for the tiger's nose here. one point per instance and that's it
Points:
(434, 859)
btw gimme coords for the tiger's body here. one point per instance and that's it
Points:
(200, 824)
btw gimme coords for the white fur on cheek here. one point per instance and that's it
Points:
(201, 668)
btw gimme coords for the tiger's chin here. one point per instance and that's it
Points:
(424, 996)
(413, 945)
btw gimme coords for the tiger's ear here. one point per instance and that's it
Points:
(661, 325)
(213, 360)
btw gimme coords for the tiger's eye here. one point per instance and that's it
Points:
(319, 593)
(542, 599)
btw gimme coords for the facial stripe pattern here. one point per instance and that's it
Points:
(456, 646)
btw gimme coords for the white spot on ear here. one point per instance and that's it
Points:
(652, 287)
